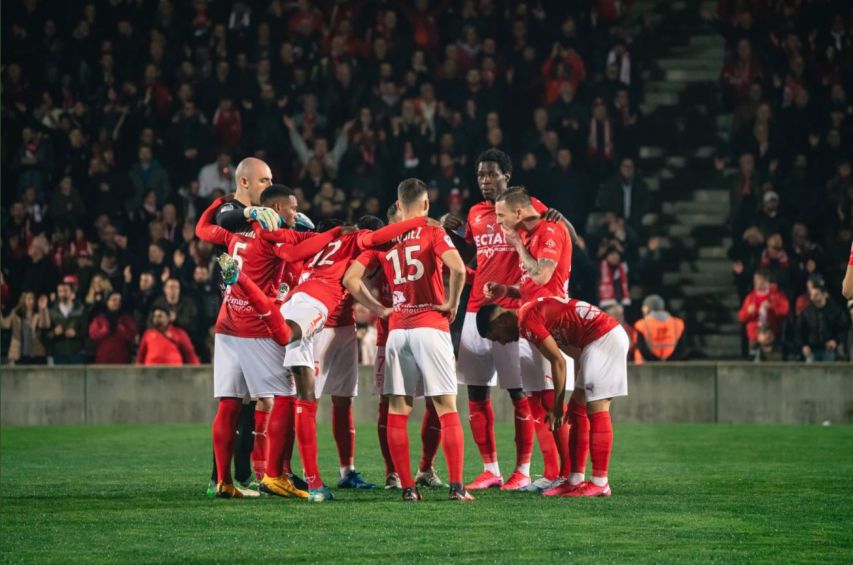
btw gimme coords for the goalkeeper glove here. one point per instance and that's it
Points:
(267, 217)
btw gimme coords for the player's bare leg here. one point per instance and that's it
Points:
(600, 446)
(454, 444)
(399, 408)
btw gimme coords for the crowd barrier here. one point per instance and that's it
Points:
(770, 393)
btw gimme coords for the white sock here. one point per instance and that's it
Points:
(599, 481)
(575, 478)
(524, 469)
(493, 467)
(346, 469)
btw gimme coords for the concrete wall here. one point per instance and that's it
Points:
(672, 392)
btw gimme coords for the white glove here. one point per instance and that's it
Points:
(267, 217)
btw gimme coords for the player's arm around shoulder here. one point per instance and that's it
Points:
(353, 281)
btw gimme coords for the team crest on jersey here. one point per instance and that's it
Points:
(551, 243)
(398, 298)
(449, 241)
(587, 311)
(478, 218)
(283, 289)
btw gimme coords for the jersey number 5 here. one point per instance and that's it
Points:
(239, 246)
(411, 263)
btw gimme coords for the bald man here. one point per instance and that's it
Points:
(253, 176)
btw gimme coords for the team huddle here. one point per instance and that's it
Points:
(286, 335)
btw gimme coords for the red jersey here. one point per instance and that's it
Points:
(382, 290)
(325, 271)
(547, 240)
(171, 347)
(291, 276)
(573, 324)
(497, 260)
(413, 265)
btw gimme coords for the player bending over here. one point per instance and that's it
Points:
(418, 353)
(599, 345)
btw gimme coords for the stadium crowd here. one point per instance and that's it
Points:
(787, 80)
(122, 127)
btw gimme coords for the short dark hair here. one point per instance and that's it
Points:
(484, 318)
(516, 196)
(411, 190)
(326, 224)
(495, 156)
(274, 192)
(368, 222)
(391, 211)
(763, 273)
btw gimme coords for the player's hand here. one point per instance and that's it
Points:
(433, 223)
(448, 309)
(553, 215)
(493, 291)
(511, 237)
(451, 222)
(554, 417)
(266, 217)
(385, 312)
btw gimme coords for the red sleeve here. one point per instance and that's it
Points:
(128, 328)
(552, 240)
(441, 242)
(369, 258)
(538, 206)
(186, 347)
(531, 325)
(389, 232)
(143, 349)
(780, 304)
(99, 328)
(308, 247)
(742, 314)
(468, 235)
(207, 230)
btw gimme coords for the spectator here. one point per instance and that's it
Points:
(822, 327)
(147, 175)
(67, 325)
(66, 205)
(227, 125)
(113, 331)
(613, 285)
(660, 335)
(743, 189)
(774, 260)
(219, 174)
(626, 196)
(39, 273)
(182, 312)
(165, 344)
(28, 322)
(140, 295)
(207, 300)
(770, 219)
(765, 308)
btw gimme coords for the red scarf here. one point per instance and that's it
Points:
(608, 138)
(606, 284)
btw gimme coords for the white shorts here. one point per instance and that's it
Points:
(249, 366)
(336, 355)
(485, 362)
(309, 314)
(419, 362)
(379, 370)
(536, 370)
(603, 366)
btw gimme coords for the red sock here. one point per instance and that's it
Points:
(546, 439)
(482, 420)
(524, 431)
(382, 429)
(561, 436)
(259, 450)
(430, 436)
(306, 433)
(398, 444)
(279, 427)
(344, 432)
(600, 442)
(289, 435)
(578, 436)
(267, 308)
(224, 436)
(454, 446)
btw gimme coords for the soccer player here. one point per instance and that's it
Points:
(599, 345)
(305, 313)
(418, 353)
(247, 362)
(431, 425)
(545, 254)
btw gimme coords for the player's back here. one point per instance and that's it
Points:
(572, 323)
(257, 261)
(413, 266)
(325, 271)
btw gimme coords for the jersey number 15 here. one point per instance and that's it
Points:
(410, 263)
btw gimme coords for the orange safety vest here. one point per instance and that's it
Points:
(661, 336)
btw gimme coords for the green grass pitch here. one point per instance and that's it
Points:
(682, 493)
